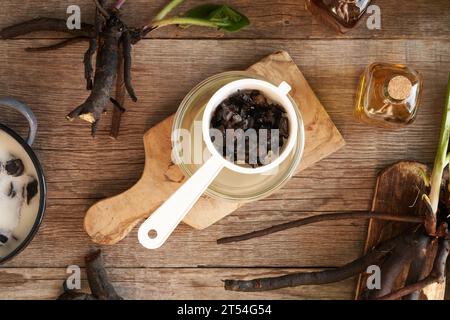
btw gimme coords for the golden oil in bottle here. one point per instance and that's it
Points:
(388, 95)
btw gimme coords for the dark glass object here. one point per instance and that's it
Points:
(343, 15)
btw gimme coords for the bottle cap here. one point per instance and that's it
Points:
(399, 88)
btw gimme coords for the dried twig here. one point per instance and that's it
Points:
(321, 218)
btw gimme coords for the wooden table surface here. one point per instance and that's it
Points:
(80, 170)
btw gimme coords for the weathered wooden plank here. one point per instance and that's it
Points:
(80, 170)
(52, 99)
(206, 58)
(165, 283)
(270, 19)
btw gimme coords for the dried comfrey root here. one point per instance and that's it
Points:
(393, 255)
(320, 277)
(101, 288)
(405, 260)
(112, 40)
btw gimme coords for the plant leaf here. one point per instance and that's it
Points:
(224, 17)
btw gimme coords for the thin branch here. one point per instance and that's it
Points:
(167, 9)
(101, 9)
(58, 45)
(120, 97)
(119, 4)
(437, 275)
(322, 218)
(320, 277)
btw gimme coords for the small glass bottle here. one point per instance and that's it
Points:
(388, 95)
(343, 15)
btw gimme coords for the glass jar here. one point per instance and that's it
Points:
(228, 185)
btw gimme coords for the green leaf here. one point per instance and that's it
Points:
(224, 17)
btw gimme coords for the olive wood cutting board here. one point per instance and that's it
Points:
(110, 220)
(392, 196)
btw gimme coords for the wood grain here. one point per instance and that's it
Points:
(270, 19)
(81, 171)
(165, 283)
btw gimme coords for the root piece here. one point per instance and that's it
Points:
(437, 274)
(105, 74)
(321, 218)
(400, 258)
(126, 45)
(99, 4)
(98, 280)
(119, 98)
(418, 267)
(117, 105)
(88, 69)
(58, 45)
(46, 24)
(320, 277)
(99, 20)
(76, 295)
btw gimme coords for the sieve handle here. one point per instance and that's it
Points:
(154, 232)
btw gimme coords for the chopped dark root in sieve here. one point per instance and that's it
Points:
(14, 167)
(250, 109)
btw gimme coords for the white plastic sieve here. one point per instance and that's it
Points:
(154, 232)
